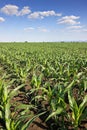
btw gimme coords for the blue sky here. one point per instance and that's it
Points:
(43, 20)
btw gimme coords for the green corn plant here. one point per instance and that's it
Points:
(23, 74)
(55, 98)
(24, 118)
(77, 111)
(47, 92)
(36, 85)
(15, 69)
(7, 116)
(57, 104)
(6, 96)
(36, 80)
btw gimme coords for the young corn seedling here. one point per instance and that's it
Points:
(57, 105)
(7, 116)
(36, 84)
(23, 74)
(77, 111)
(5, 105)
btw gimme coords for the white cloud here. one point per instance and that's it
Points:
(14, 10)
(29, 29)
(49, 13)
(71, 20)
(2, 19)
(34, 15)
(24, 11)
(43, 14)
(42, 29)
(75, 27)
(10, 9)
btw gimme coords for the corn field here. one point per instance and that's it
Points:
(46, 81)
